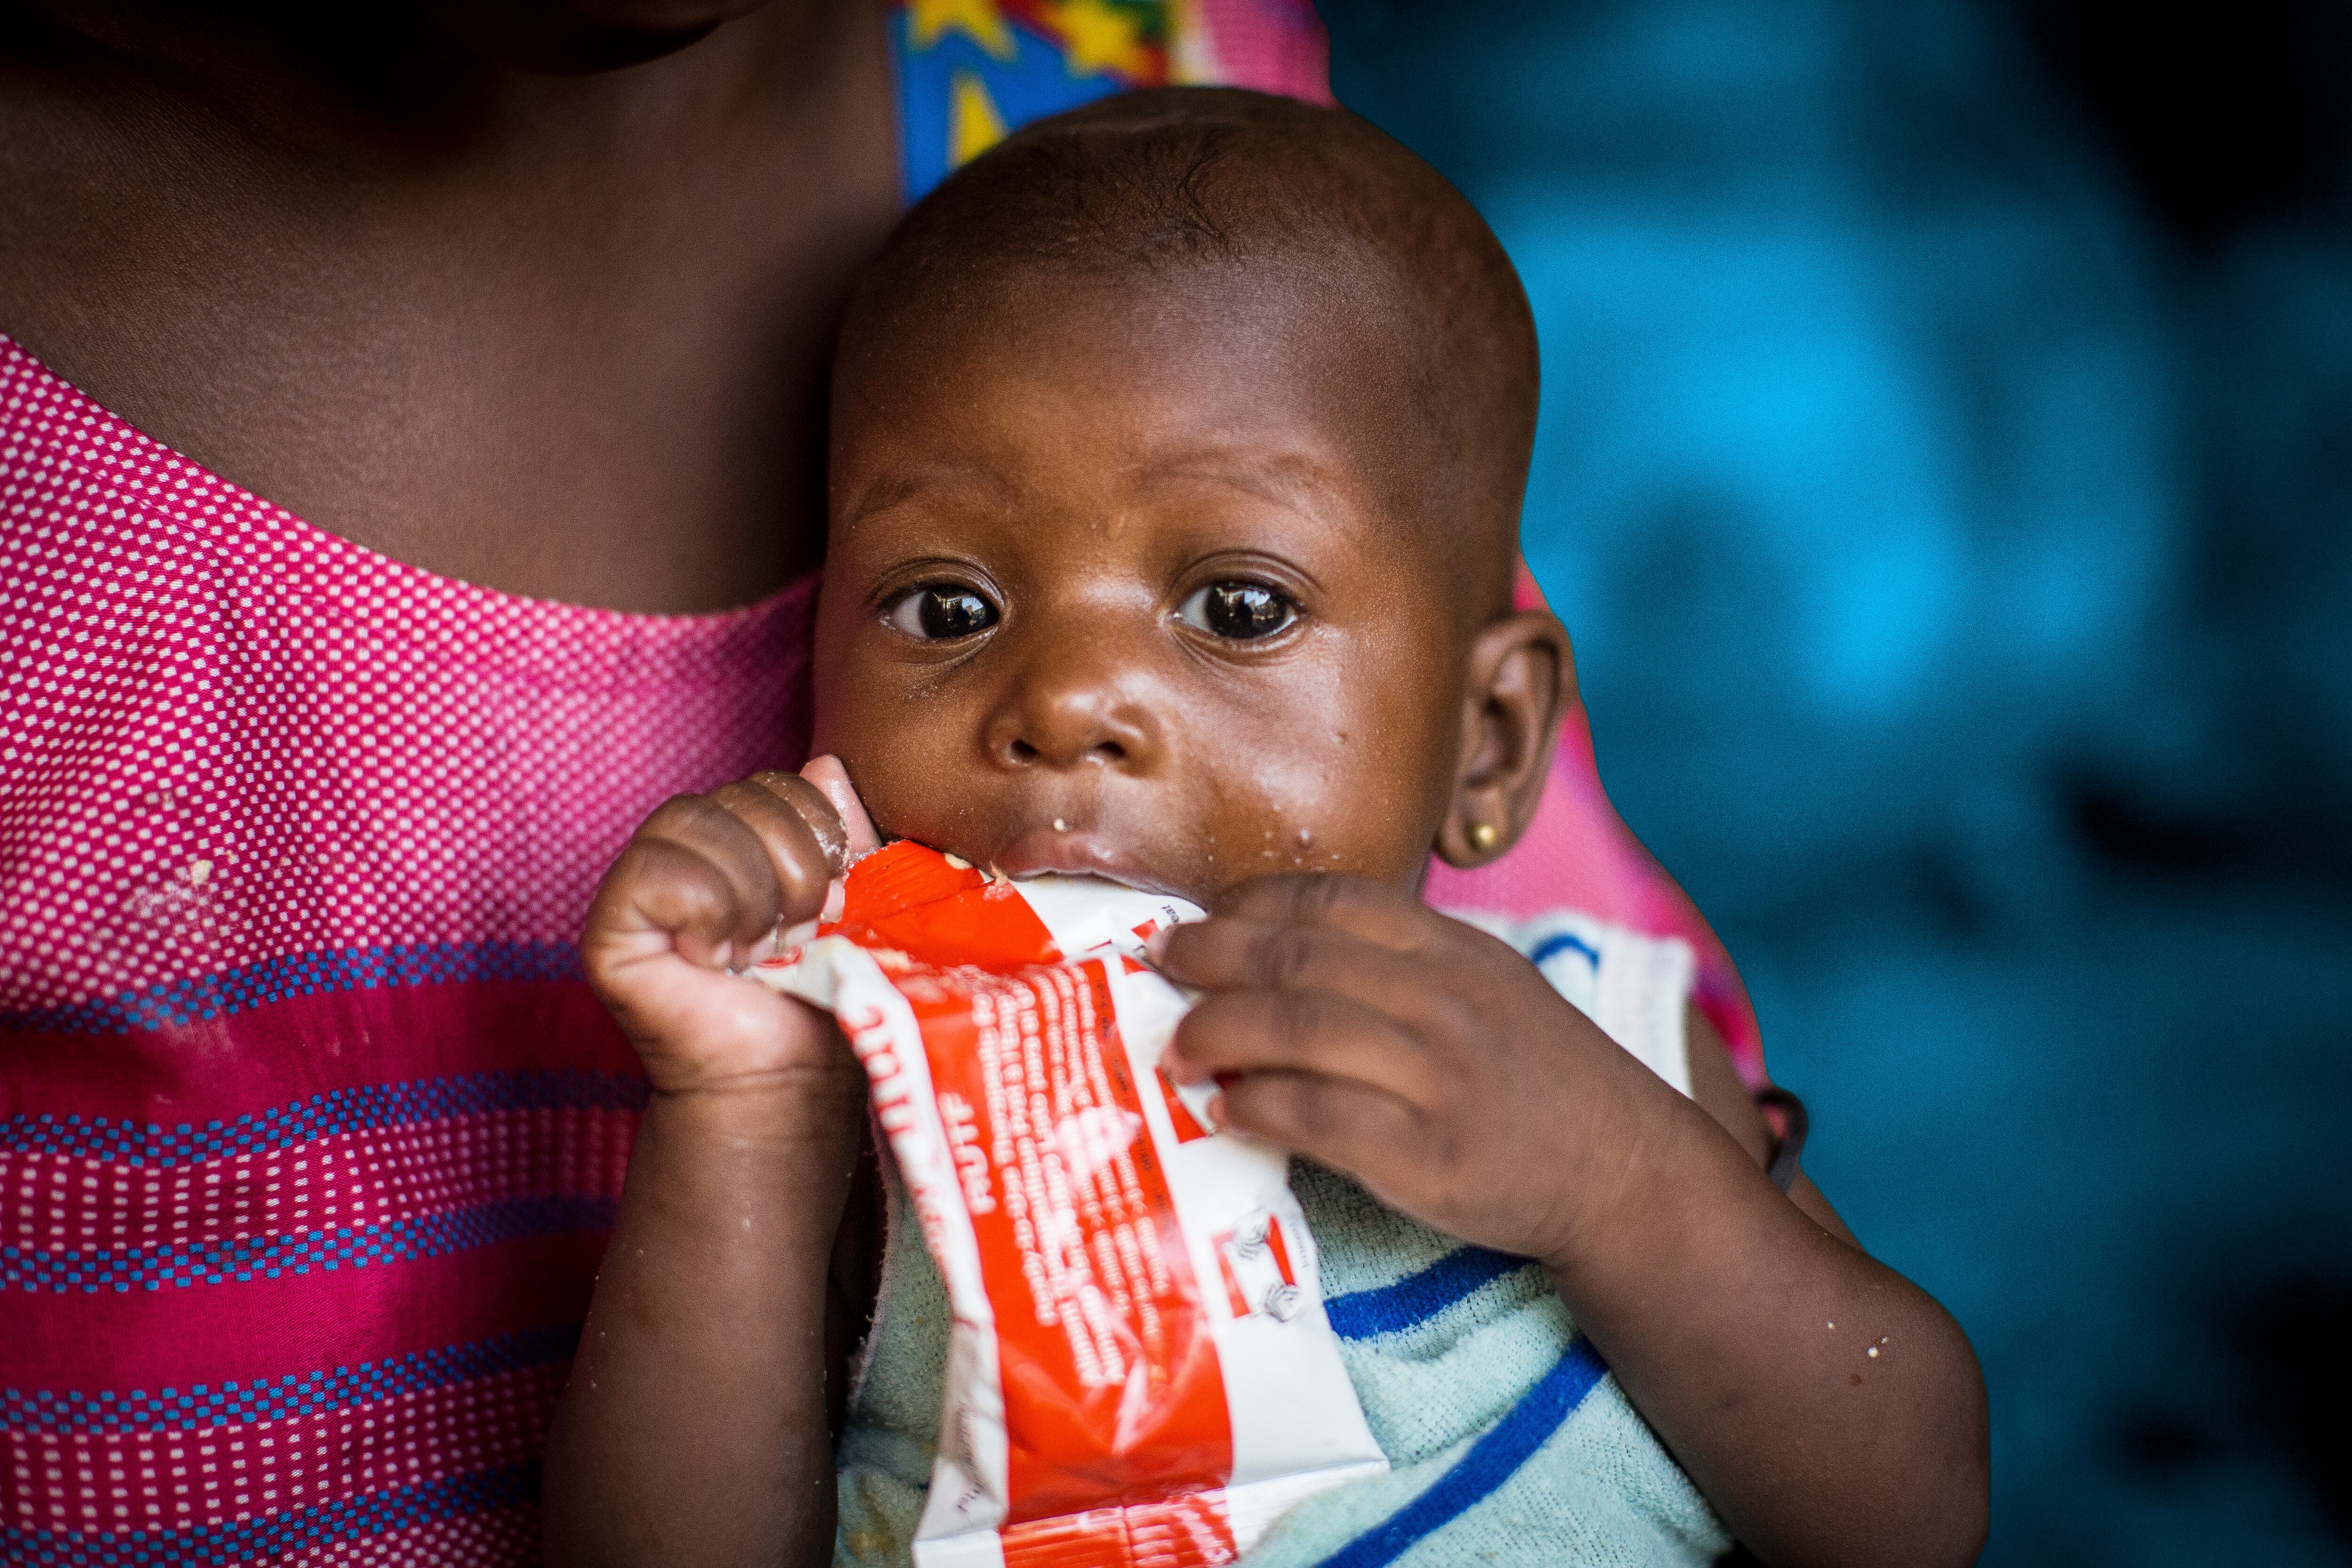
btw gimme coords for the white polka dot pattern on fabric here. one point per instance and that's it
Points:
(230, 739)
(312, 1134)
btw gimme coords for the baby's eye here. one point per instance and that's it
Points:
(939, 611)
(1241, 611)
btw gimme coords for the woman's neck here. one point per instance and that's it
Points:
(385, 85)
(561, 334)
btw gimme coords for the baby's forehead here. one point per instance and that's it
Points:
(1245, 373)
(1199, 404)
(1300, 332)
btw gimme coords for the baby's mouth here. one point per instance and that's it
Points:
(1062, 848)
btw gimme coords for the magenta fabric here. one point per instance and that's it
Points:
(1271, 46)
(309, 1132)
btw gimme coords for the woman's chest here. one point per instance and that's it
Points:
(584, 362)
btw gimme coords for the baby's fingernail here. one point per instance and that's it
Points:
(833, 780)
(1155, 946)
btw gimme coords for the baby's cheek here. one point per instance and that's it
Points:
(884, 758)
(1341, 805)
(914, 794)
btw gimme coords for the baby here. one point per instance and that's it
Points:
(1177, 453)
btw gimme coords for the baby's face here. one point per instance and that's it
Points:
(1124, 591)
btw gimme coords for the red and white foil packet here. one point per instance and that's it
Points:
(1140, 1370)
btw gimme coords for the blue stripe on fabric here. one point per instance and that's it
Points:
(194, 1000)
(276, 1534)
(246, 1259)
(1417, 1298)
(1493, 1460)
(1552, 946)
(366, 1109)
(233, 1403)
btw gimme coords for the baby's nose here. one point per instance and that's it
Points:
(1059, 725)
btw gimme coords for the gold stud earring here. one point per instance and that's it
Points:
(1483, 835)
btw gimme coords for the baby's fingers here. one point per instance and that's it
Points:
(695, 873)
(1349, 1126)
(803, 836)
(1299, 1032)
(1228, 952)
(1367, 911)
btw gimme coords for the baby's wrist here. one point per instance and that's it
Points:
(797, 1106)
(1614, 1190)
(765, 1167)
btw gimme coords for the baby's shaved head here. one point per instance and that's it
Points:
(1210, 193)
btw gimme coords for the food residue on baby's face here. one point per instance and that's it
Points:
(1142, 589)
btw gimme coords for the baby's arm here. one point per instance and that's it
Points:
(694, 1426)
(1830, 1410)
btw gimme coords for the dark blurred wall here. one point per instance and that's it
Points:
(1946, 474)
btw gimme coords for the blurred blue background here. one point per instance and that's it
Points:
(1946, 474)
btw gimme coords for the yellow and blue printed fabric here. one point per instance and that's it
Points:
(970, 71)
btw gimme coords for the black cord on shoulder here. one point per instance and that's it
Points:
(1783, 1169)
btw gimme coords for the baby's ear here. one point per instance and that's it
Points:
(1522, 679)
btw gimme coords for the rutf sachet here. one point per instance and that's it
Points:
(1140, 1370)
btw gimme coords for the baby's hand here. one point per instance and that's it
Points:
(704, 886)
(1352, 1024)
